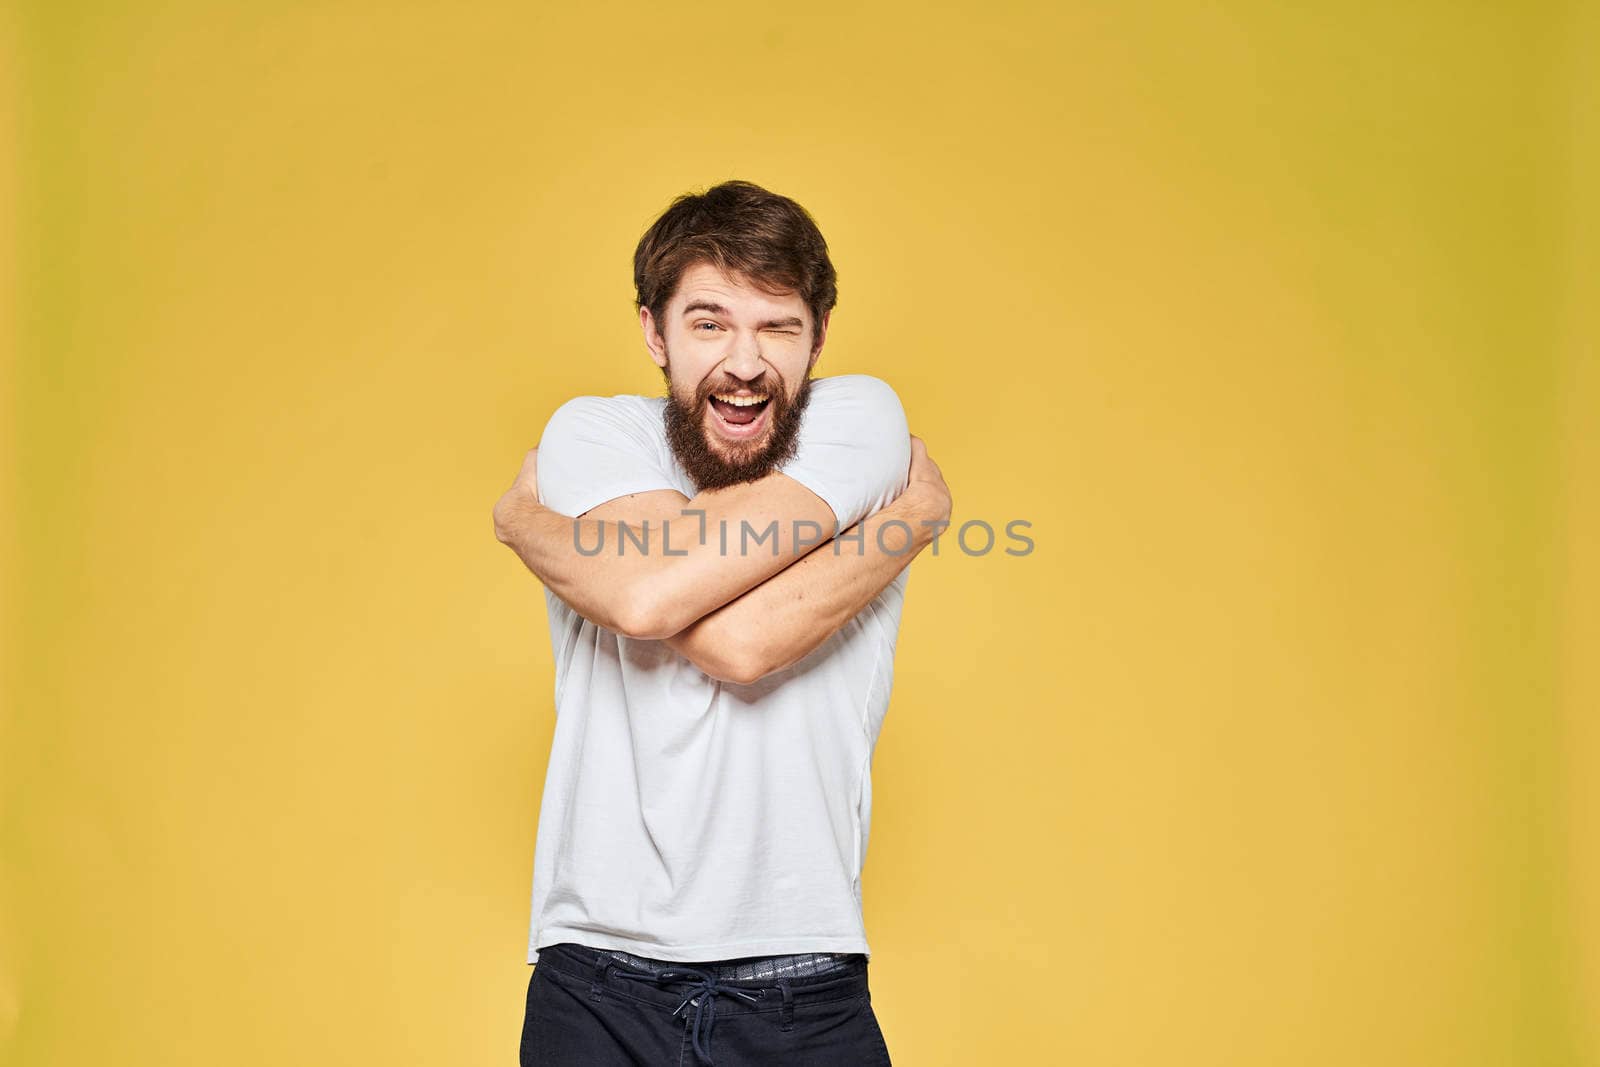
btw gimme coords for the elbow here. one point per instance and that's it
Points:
(638, 622)
(742, 668)
(735, 666)
(732, 658)
(641, 616)
(741, 658)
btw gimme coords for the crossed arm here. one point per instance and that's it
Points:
(737, 615)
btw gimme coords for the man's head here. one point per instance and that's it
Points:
(734, 291)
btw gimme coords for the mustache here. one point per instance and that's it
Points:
(772, 388)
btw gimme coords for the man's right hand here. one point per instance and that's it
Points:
(926, 484)
(514, 501)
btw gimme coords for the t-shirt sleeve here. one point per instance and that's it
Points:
(595, 449)
(854, 448)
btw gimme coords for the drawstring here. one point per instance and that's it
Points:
(703, 996)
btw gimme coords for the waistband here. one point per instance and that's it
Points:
(712, 988)
(748, 968)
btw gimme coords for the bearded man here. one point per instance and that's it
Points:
(724, 571)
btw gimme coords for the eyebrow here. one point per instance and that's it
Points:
(718, 309)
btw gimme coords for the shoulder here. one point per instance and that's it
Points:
(863, 404)
(620, 406)
(623, 412)
(598, 448)
(857, 388)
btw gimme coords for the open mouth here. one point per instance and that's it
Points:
(740, 415)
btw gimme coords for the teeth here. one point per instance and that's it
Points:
(739, 401)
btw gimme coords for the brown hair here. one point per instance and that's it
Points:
(741, 229)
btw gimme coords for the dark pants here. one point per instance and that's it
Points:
(587, 1009)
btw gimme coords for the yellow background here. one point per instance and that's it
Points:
(1276, 321)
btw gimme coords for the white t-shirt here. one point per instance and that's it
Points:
(686, 818)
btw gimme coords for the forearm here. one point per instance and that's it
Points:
(662, 568)
(544, 540)
(785, 618)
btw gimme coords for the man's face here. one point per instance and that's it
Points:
(738, 364)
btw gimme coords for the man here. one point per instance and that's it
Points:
(720, 679)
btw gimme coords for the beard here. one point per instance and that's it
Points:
(745, 461)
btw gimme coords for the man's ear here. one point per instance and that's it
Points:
(822, 335)
(652, 338)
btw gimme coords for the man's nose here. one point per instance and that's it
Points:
(745, 361)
